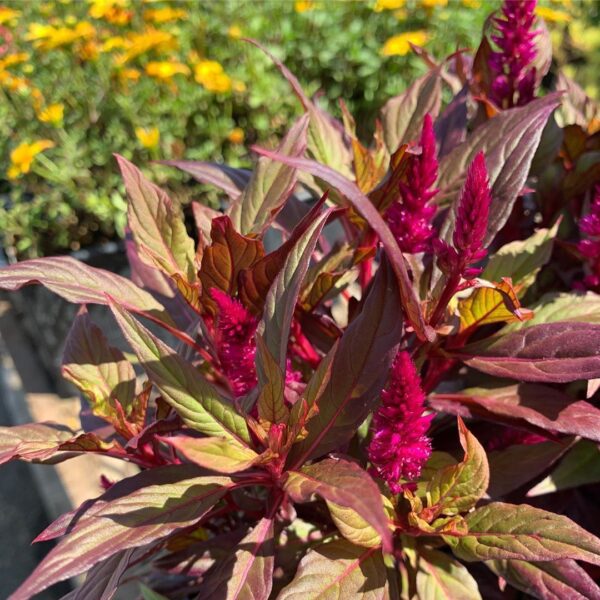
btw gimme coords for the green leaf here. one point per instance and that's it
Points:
(561, 307)
(270, 185)
(440, 577)
(507, 531)
(271, 404)
(280, 302)
(101, 372)
(359, 371)
(248, 574)
(339, 570)
(402, 116)
(522, 260)
(157, 225)
(145, 515)
(457, 488)
(81, 284)
(337, 480)
(181, 385)
(552, 580)
(217, 454)
(580, 466)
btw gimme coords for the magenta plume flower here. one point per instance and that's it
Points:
(399, 446)
(410, 218)
(513, 79)
(470, 225)
(589, 226)
(234, 338)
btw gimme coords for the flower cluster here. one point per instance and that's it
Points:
(410, 218)
(590, 247)
(400, 445)
(514, 78)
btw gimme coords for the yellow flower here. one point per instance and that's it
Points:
(89, 51)
(164, 15)
(47, 37)
(472, 3)
(129, 74)
(234, 32)
(52, 114)
(22, 157)
(149, 138)
(8, 14)
(112, 11)
(13, 59)
(553, 16)
(301, 6)
(382, 5)
(38, 98)
(164, 70)
(113, 42)
(433, 3)
(399, 45)
(12, 83)
(236, 136)
(238, 86)
(210, 74)
(148, 39)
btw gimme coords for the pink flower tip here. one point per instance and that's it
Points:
(399, 446)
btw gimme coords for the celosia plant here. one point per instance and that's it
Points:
(296, 408)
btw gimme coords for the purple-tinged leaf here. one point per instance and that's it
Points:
(451, 126)
(146, 515)
(457, 488)
(508, 531)
(203, 216)
(403, 115)
(157, 225)
(516, 465)
(337, 480)
(326, 140)
(216, 454)
(359, 371)
(280, 302)
(248, 573)
(440, 577)
(232, 181)
(580, 466)
(554, 352)
(103, 579)
(81, 284)
(338, 570)
(46, 442)
(270, 185)
(100, 371)
(363, 205)
(538, 405)
(181, 385)
(509, 141)
(577, 108)
(270, 404)
(553, 580)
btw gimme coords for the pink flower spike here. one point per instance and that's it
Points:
(513, 79)
(410, 217)
(399, 446)
(589, 226)
(235, 342)
(472, 217)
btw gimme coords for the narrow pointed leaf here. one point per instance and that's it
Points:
(100, 371)
(181, 385)
(440, 577)
(507, 531)
(339, 570)
(270, 185)
(216, 454)
(157, 225)
(552, 580)
(81, 284)
(363, 205)
(248, 575)
(403, 115)
(337, 480)
(146, 515)
(270, 403)
(457, 488)
(554, 352)
(359, 371)
(539, 405)
(280, 302)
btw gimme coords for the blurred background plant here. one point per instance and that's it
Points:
(165, 80)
